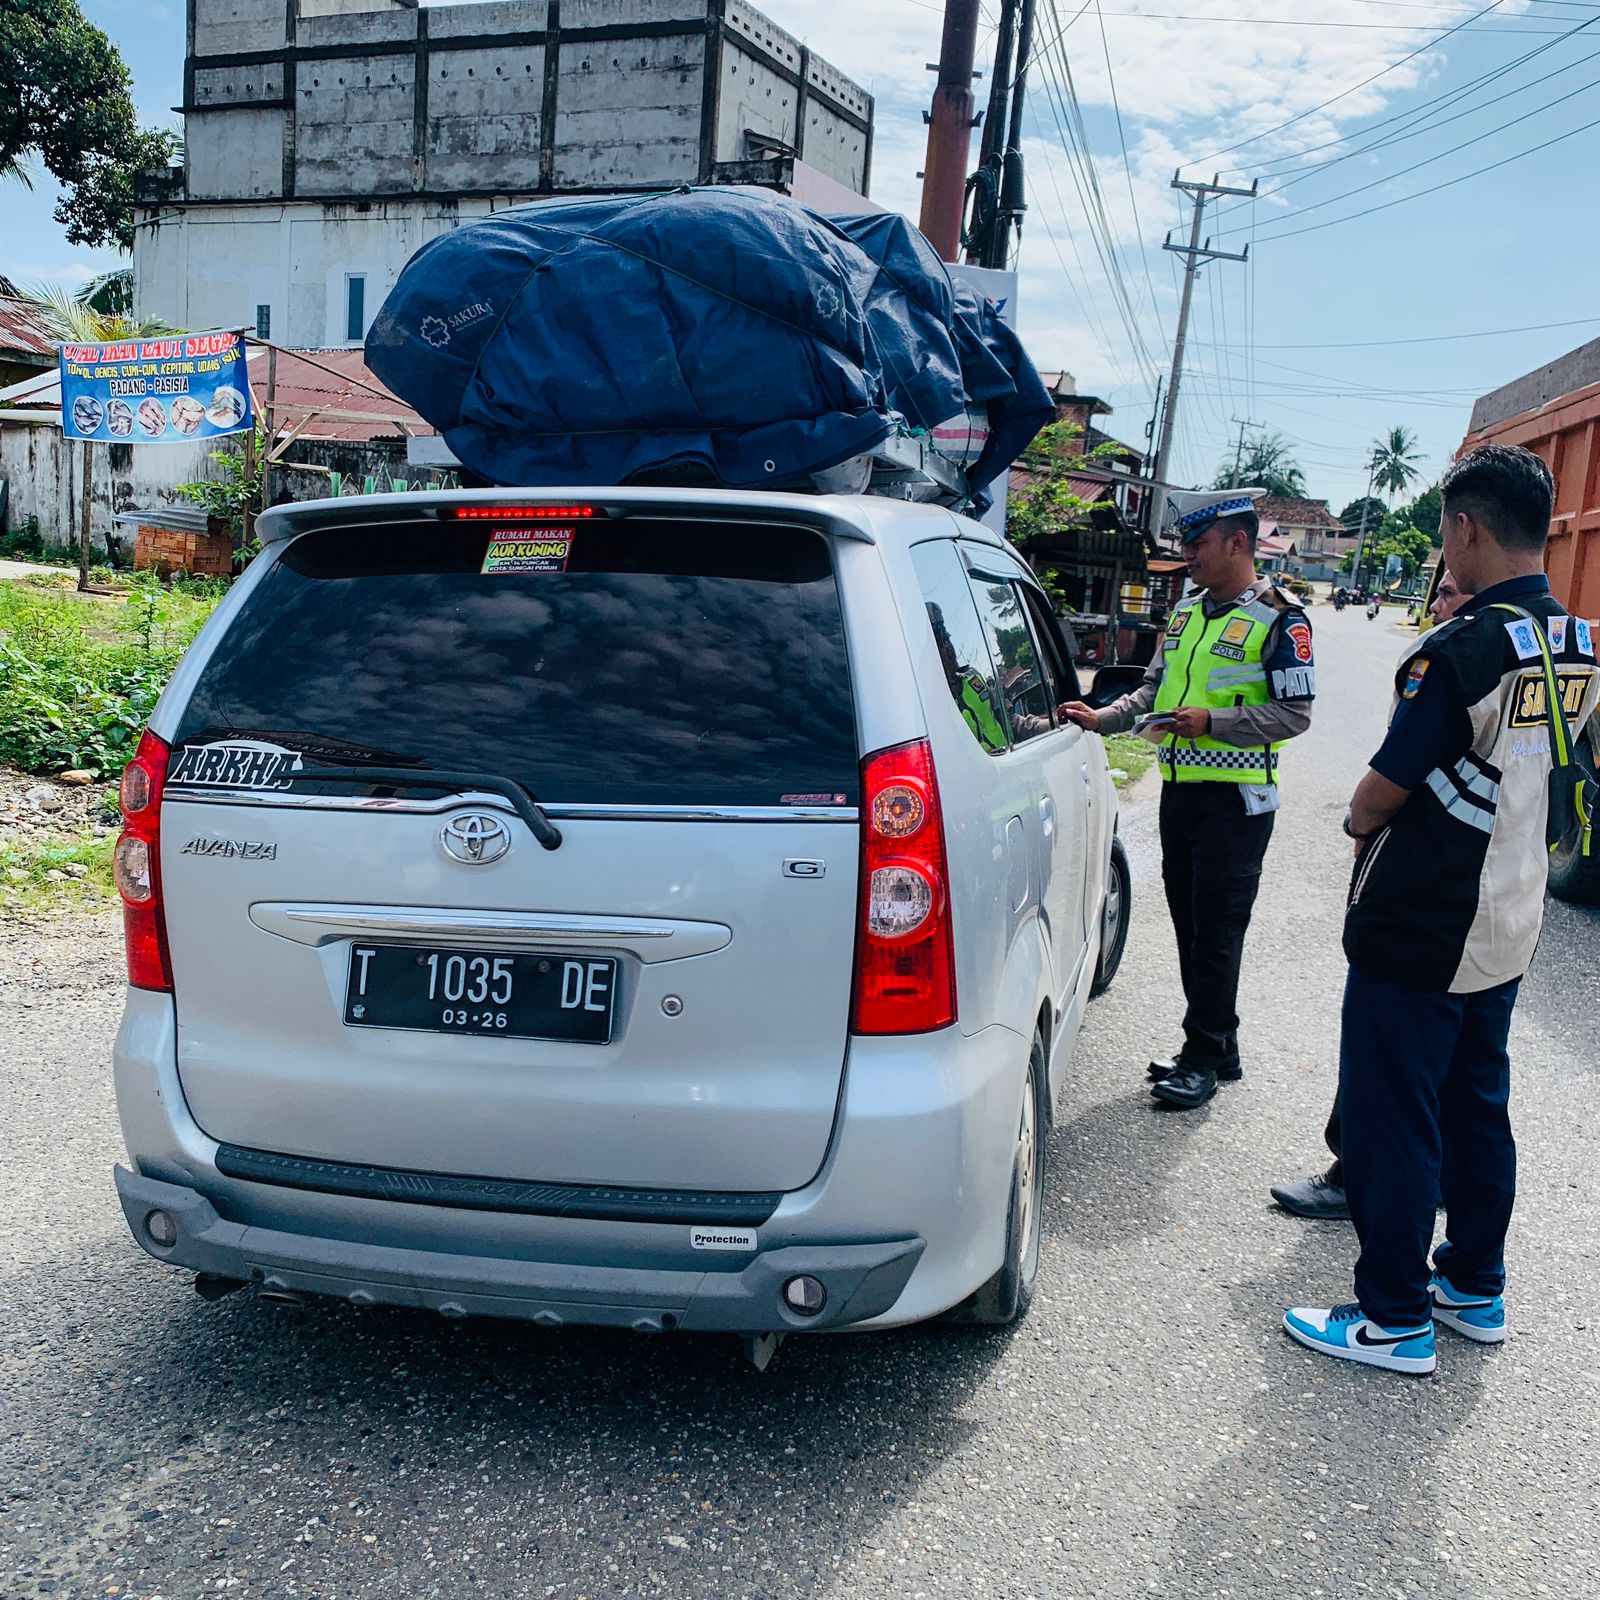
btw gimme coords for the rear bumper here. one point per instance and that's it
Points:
(862, 1280)
(905, 1218)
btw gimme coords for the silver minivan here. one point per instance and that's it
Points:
(647, 907)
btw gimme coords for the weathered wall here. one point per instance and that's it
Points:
(380, 100)
(46, 476)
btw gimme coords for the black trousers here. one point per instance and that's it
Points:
(1211, 855)
(1424, 1088)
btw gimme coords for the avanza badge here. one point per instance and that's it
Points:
(528, 550)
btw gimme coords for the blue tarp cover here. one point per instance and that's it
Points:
(595, 341)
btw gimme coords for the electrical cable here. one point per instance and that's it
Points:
(1450, 183)
(1416, 166)
(1344, 94)
(1436, 338)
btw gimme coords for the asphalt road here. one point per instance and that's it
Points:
(1146, 1431)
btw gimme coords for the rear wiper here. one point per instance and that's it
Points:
(523, 803)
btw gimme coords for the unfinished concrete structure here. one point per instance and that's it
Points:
(325, 140)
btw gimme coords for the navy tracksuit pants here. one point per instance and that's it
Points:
(1424, 1089)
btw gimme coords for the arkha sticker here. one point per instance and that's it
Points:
(528, 550)
(1236, 632)
(1418, 671)
(233, 764)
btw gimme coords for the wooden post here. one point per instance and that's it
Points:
(86, 475)
(249, 519)
(271, 419)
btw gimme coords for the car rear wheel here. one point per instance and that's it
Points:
(1008, 1294)
(1113, 919)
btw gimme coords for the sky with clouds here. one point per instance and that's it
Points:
(1365, 247)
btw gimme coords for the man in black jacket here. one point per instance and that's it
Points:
(1443, 916)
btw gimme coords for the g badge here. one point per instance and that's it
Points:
(805, 869)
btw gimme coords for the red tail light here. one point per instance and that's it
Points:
(137, 866)
(905, 980)
(520, 513)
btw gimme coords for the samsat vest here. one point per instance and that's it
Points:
(1450, 896)
(1217, 663)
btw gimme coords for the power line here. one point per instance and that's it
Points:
(1435, 338)
(1305, 22)
(1290, 163)
(1416, 166)
(1346, 93)
(1127, 165)
(1450, 183)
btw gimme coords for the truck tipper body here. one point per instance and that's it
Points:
(1555, 412)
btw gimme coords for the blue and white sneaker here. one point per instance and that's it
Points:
(1345, 1332)
(1481, 1317)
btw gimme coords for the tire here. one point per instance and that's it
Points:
(1005, 1298)
(1575, 877)
(1113, 919)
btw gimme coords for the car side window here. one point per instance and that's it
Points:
(1025, 692)
(1058, 668)
(964, 656)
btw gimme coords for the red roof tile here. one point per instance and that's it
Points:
(22, 334)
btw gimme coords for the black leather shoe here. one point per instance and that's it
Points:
(1228, 1071)
(1187, 1088)
(1313, 1197)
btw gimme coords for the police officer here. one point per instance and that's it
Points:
(1444, 913)
(1232, 682)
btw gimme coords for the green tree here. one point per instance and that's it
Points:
(64, 98)
(1421, 513)
(1267, 463)
(94, 314)
(236, 495)
(1394, 462)
(1350, 517)
(1045, 502)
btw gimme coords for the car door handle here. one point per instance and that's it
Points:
(1047, 816)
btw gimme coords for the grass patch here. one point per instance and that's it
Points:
(79, 675)
(1131, 756)
(52, 874)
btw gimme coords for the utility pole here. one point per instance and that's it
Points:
(950, 124)
(999, 193)
(1361, 536)
(1238, 454)
(1193, 253)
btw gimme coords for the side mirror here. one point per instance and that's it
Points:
(1111, 683)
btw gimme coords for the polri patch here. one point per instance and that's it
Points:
(1524, 638)
(1178, 622)
(1230, 652)
(1418, 671)
(528, 550)
(1557, 629)
(1300, 638)
(1585, 636)
(1236, 632)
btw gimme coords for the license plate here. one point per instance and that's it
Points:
(493, 993)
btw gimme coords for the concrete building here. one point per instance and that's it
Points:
(327, 140)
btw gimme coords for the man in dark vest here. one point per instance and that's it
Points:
(1232, 682)
(1444, 910)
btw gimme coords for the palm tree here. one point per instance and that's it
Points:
(1392, 463)
(1269, 464)
(88, 316)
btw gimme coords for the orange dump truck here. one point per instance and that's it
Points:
(1555, 411)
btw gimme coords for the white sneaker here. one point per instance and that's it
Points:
(1344, 1331)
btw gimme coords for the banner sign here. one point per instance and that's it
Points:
(172, 388)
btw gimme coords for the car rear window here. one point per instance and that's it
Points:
(671, 662)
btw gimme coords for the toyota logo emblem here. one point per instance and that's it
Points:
(475, 838)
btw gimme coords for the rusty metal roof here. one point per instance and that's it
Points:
(22, 336)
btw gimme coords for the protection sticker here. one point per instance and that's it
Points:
(1300, 638)
(1419, 670)
(1585, 636)
(1231, 652)
(528, 550)
(1237, 631)
(1557, 629)
(722, 1238)
(1529, 703)
(811, 799)
(1178, 622)
(1524, 639)
(240, 764)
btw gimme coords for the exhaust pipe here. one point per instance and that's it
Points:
(278, 1293)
